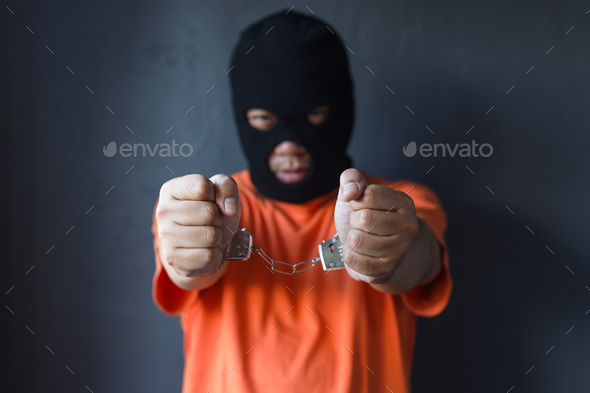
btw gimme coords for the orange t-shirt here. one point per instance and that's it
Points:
(254, 331)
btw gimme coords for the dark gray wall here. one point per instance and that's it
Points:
(87, 301)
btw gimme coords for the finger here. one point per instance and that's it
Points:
(189, 187)
(368, 279)
(190, 213)
(357, 276)
(179, 236)
(368, 265)
(352, 185)
(382, 223)
(192, 262)
(377, 222)
(227, 195)
(372, 245)
(383, 198)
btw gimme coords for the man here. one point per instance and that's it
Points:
(250, 329)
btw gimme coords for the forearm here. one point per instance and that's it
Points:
(192, 284)
(420, 265)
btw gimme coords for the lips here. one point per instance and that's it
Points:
(290, 176)
(290, 162)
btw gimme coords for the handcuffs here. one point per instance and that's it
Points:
(331, 253)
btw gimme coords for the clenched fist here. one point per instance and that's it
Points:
(196, 219)
(377, 226)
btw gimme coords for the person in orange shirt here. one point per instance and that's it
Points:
(249, 328)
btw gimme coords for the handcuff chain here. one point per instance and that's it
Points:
(294, 270)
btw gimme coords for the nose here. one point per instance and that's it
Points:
(289, 148)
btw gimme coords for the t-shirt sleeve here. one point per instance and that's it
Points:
(430, 299)
(168, 297)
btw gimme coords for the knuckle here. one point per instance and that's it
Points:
(213, 236)
(168, 257)
(211, 215)
(415, 229)
(200, 186)
(370, 194)
(407, 200)
(164, 232)
(364, 218)
(355, 239)
(348, 257)
(227, 181)
(387, 267)
(167, 189)
(164, 190)
(207, 255)
(165, 207)
(412, 227)
(207, 212)
(161, 211)
(226, 184)
(161, 233)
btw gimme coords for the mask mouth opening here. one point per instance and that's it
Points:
(292, 168)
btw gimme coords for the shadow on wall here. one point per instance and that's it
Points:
(513, 302)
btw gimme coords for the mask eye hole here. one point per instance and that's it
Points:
(261, 119)
(318, 115)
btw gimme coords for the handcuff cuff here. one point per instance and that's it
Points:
(240, 248)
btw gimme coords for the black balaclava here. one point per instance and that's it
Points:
(288, 64)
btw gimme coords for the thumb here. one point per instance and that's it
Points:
(227, 196)
(352, 186)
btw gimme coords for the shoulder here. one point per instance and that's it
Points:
(245, 186)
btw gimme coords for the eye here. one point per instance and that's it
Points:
(318, 115)
(261, 119)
